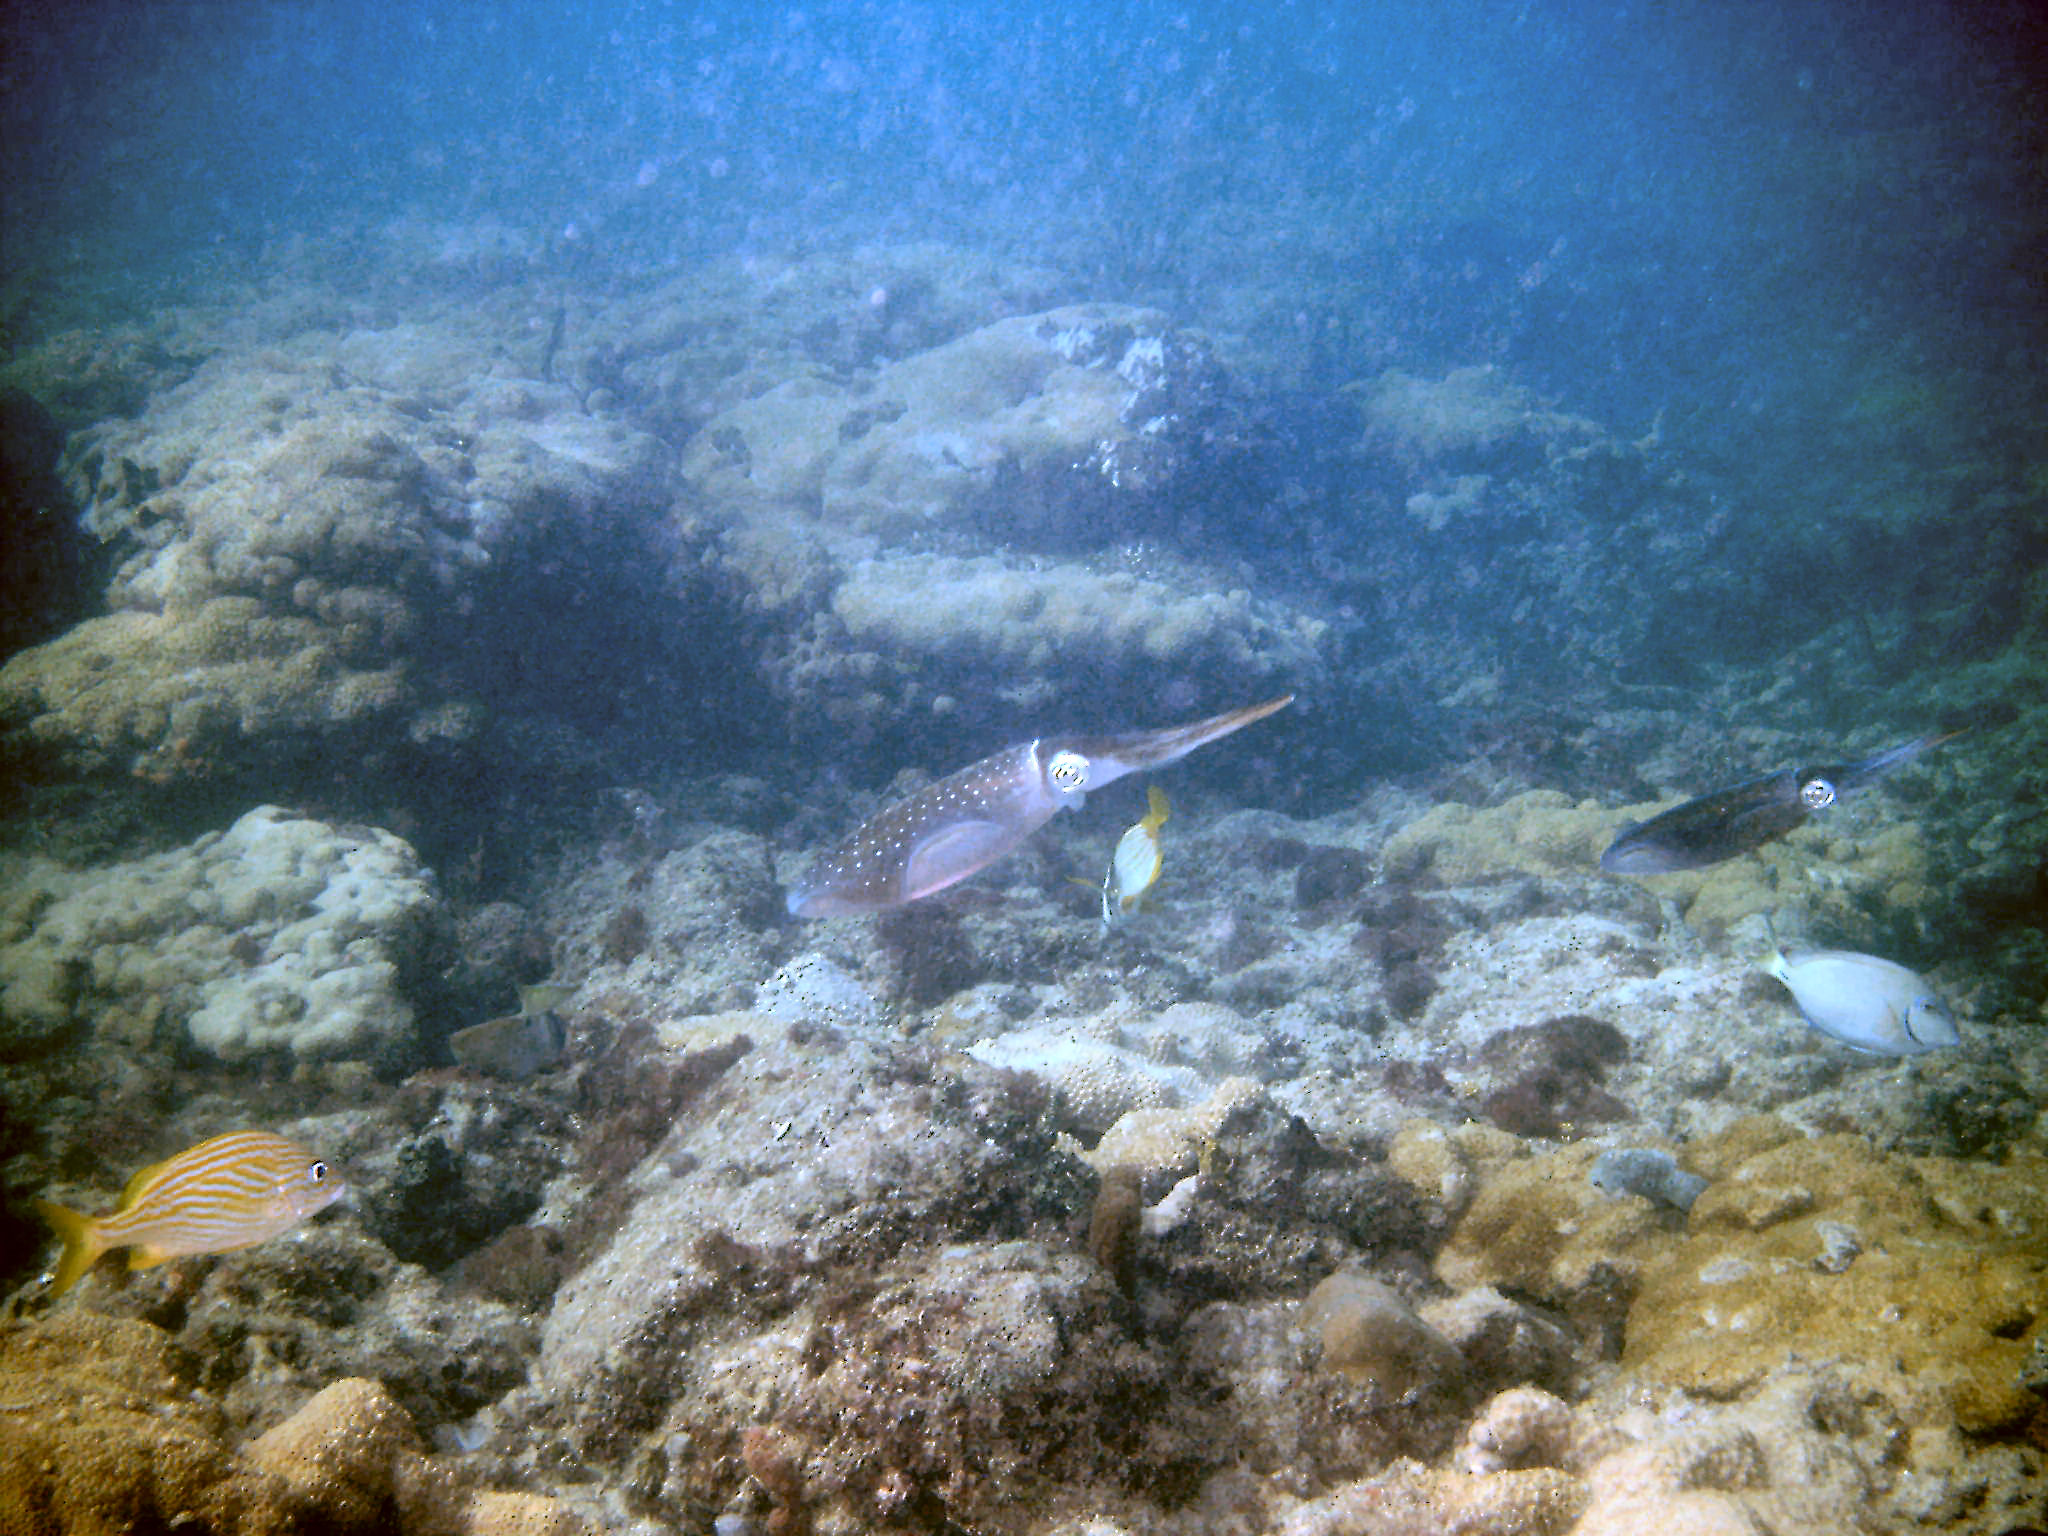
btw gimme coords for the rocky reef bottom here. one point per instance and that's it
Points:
(101, 1430)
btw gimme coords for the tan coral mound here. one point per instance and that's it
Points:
(164, 695)
(1541, 832)
(341, 1455)
(1536, 1227)
(1928, 1272)
(101, 1433)
(1925, 1276)
(97, 1434)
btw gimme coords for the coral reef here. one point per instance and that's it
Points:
(1934, 1296)
(281, 933)
(981, 1216)
(1039, 454)
(286, 527)
(1039, 420)
(1943, 1301)
(102, 1432)
(1854, 876)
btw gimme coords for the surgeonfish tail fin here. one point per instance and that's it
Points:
(1775, 955)
(81, 1244)
(1773, 964)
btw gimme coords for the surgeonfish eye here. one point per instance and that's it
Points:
(1817, 794)
(1069, 771)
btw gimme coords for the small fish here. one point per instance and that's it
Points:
(1745, 816)
(229, 1192)
(516, 1045)
(1140, 855)
(1647, 1172)
(965, 822)
(1872, 1004)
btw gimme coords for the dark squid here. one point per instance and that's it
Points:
(1745, 816)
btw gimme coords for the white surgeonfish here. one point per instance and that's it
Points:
(1870, 1003)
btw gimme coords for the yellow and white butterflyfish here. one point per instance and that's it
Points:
(1140, 855)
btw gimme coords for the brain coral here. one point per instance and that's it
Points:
(1020, 421)
(281, 932)
(285, 534)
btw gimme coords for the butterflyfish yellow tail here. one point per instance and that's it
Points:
(1156, 810)
(81, 1240)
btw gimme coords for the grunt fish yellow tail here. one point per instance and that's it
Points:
(82, 1244)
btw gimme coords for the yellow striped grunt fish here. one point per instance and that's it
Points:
(228, 1192)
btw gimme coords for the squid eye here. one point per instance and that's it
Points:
(1817, 794)
(1069, 770)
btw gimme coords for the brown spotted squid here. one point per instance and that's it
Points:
(968, 820)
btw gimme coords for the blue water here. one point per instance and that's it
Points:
(1695, 206)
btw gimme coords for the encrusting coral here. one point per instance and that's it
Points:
(1945, 1301)
(97, 1434)
(1411, 1500)
(1936, 1299)
(100, 1432)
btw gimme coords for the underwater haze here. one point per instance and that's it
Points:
(1040, 771)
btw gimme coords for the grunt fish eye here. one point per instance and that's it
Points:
(1069, 770)
(317, 1172)
(1817, 794)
